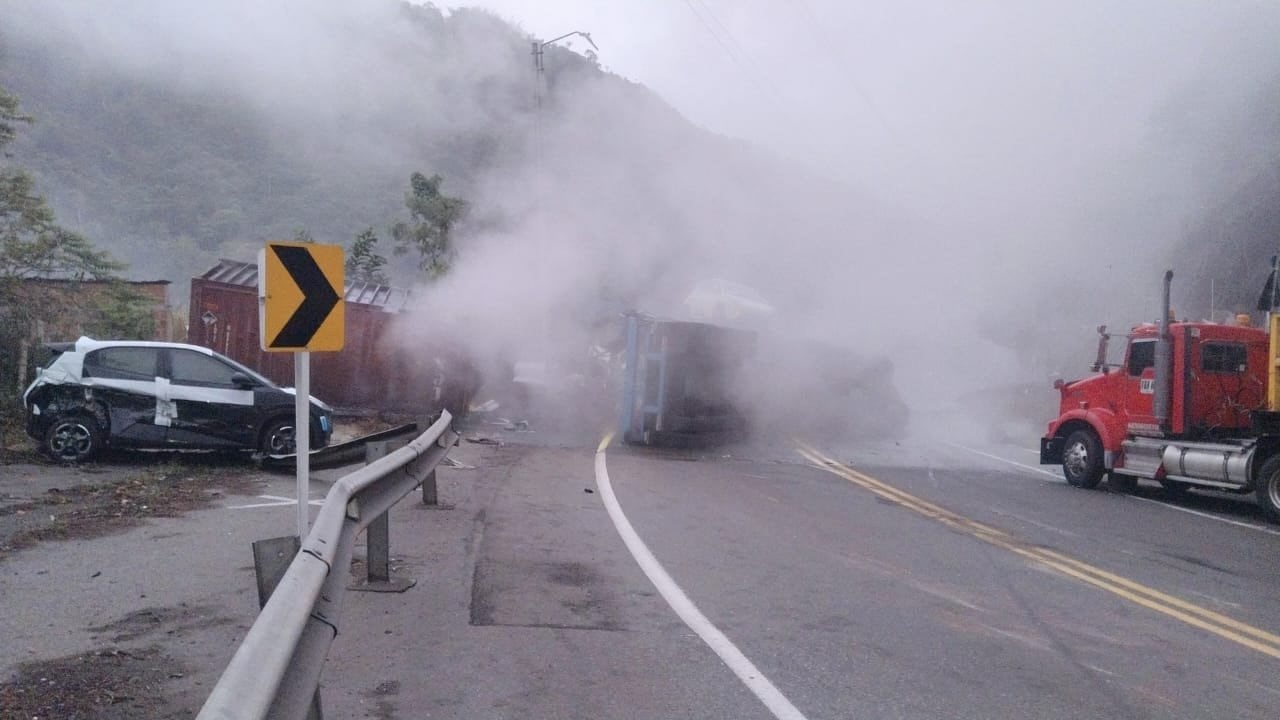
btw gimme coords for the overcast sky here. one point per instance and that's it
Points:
(923, 87)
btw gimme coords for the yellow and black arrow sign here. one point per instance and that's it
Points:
(301, 292)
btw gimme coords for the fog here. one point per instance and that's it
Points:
(966, 192)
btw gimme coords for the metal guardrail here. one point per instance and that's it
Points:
(276, 670)
(347, 453)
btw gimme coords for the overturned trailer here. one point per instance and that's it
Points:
(694, 383)
(678, 381)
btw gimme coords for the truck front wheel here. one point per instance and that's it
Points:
(1268, 488)
(1082, 459)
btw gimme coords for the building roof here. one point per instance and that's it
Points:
(95, 281)
(386, 297)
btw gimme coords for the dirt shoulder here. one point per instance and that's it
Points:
(128, 581)
(41, 500)
(124, 674)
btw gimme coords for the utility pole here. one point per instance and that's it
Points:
(538, 80)
(538, 67)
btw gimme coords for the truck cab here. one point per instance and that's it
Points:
(1188, 407)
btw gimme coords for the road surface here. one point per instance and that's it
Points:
(567, 580)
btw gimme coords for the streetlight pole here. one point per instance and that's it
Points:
(537, 60)
(536, 51)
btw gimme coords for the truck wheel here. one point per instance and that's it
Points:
(1268, 488)
(1082, 459)
(1121, 483)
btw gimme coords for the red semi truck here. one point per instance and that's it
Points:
(1194, 404)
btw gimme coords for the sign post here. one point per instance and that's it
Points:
(301, 309)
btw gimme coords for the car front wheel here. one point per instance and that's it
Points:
(72, 439)
(280, 438)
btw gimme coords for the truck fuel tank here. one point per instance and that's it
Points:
(1220, 463)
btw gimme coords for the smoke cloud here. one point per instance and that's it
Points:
(963, 193)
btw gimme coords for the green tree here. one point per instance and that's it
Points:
(433, 217)
(364, 264)
(33, 247)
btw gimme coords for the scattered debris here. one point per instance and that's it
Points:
(518, 426)
(588, 491)
(112, 684)
(486, 406)
(481, 440)
(450, 462)
(93, 510)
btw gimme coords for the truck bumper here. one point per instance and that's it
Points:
(1051, 450)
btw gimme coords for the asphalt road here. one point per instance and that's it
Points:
(919, 580)
(933, 584)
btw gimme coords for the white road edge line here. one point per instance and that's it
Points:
(1211, 516)
(276, 501)
(746, 671)
(1032, 468)
(1200, 513)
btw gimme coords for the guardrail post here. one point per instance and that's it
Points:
(271, 557)
(378, 536)
(429, 496)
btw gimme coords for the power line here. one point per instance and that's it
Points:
(816, 26)
(727, 43)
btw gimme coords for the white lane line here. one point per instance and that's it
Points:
(1032, 468)
(276, 501)
(746, 671)
(1211, 516)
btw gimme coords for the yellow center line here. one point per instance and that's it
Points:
(1148, 597)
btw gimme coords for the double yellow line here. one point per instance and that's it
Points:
(1189, 613)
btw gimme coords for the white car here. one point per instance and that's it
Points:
(94, 394)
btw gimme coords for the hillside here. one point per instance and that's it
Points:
(180, 147)
(174, 137)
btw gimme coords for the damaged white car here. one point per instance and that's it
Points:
(157, 395)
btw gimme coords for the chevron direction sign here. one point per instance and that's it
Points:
(300, 292)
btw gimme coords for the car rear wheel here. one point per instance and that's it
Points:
(280, 438)
(72, 439)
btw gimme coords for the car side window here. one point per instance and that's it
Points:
(122, 363)
(189, 367)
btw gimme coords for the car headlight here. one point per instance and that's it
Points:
(35, 409)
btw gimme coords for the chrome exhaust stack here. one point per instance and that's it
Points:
(1163, 391)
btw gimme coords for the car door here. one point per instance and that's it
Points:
(211, 411)
(125, 380)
